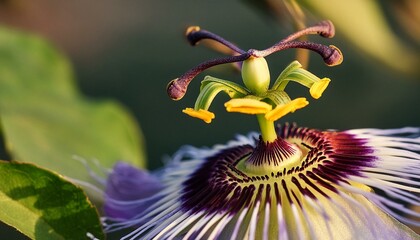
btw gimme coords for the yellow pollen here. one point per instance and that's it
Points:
(247, 105)
(282, 110)
(202, 114)
(319, 87)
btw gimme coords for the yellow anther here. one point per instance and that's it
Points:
(202, 114)
(319, 87)
(247, 105)
(282, 110)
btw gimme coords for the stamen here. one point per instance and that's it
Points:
(247, 105)
(204, 115)
(318, 88)
(282, 110)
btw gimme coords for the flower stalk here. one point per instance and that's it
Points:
(268, 131)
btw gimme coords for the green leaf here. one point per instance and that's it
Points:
(46, 121)
(43, 205)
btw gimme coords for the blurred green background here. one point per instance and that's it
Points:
(129, 51)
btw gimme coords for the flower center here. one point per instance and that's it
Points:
(271, 157)
(301, 162)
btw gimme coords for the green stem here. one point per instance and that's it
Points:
(268, 131)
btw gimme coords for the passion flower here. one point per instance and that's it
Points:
(285, 182)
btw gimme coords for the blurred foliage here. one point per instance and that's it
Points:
(362, 23)
(407, 14)
(46, 121)
(43, 205)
